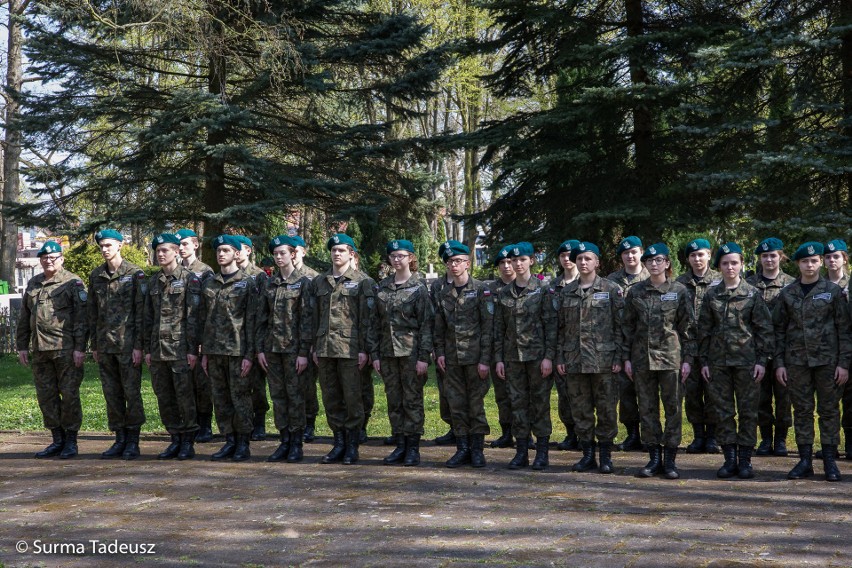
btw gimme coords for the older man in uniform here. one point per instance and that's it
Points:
(53, 326)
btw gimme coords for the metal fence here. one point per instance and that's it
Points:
(8, 328)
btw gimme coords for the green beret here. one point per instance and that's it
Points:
(584, 246)
(165, 238)
(567, 246)
(282, 240)
(300, 242)
(522, 248)
(244, 240)
(810, 248)
(655, 249)
(727, 248)
(398, 245)
(108, 234)
(185, 234)
(341, 239)
(230, 240)
(503, 254)
(697, 245)
(837, 245)
(628, 243)
(769, 245)
(451, 248)
(49, 247)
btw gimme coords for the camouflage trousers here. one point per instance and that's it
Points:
(628, 400)
(340, 381)
(735, 396)
(231, 394)
(466, 392)
(259, 402)
(846, 399)
(530, 399)
(593, 394)
(802, 384)
(653, 387)
(57, 384)
(564, 404)
(502, 398)
(404, 391)
(443, 403)
(309, 382)
(122, 386)
(203, 390)
(286, 388)
(175, 389)
(771, 389)
(368, 391)
(697, 404)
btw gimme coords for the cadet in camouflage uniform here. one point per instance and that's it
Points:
(769, 281)
(52, 324)
(837, 264)
(188, 249)
(368, 391)
(309, 377)
(283, 346)
(170, 342)
(569, 275)
(227, 315)
(505, 276)
(343, 303)
(589, 339)
(436, 288)
(735, 341)
(813, 349)
(699, 411)
(631, 273)
(463, 332)
(658, 348)
(524, 349)
(405, 319)
(115, 327)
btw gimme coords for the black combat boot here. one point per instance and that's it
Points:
(462, 455)
(699, 443)
(522, 455)
(447, 439)
(829, 465)
(69, 448)
(172, 450)
(780, 443)
(310, 429)
(389, 440)
(131, 449)
(588, 461)
(530, 443)
(398, 454)
(765, 446)
(655, 464)
(243, 450)
(570, 443)
(542, 453)
(353, 437)
(477, 450)
(669, 465)
(187, 446)
(412, 454)
(258, 431)
(55, 446)
(205, 429)
(605, 462)
(117, 447)
(711, 446)
(847, 432)
(729, 468)
(283, 450)
(505, 440)
(805, 467)
(744, 468)
(633, 441)
(296, 453)
(337, 450)
(227, 450)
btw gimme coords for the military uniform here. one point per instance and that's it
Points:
(203, 391)
(436, 289)
(257, 376)
(501, 386)
(309, 376)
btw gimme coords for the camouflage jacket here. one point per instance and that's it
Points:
(53, 314)
(589, 336)
(525, 323)
(812, 330)
(227, 315)
(734, 327)
(621, 278)
(697, 288)
(172, 315)
(657, 327)
(284, 315)
(308, 271)
(559, 282)
(115, 306)
(405, 318)
(770, 290)
(344, 315)
(464, 323)
(200, 269)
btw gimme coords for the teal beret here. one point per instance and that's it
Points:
(697, 245)
(300, 242)
(164, 238)
(451, 248)
(108, 234)
(341, 239)
(567, 246)
(628, 243)
(769, 245)
(655, 249)
(585, 246)
(185, 234)
(810, 248)
(244, 240)
(282, 240)
(503, 254)
(522, 248)
(49, 247)
(727, 248)
(837, 245)
(398, 245)
(230, 240)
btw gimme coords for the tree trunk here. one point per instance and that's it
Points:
(12, 145)
(214, 163)
(643, 143)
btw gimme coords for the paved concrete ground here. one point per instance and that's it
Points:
(200, 513)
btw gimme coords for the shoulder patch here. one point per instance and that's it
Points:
(486, 292)
(140, 275)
